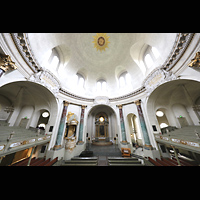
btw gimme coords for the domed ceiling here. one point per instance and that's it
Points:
(110, 56)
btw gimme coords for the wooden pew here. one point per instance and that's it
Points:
(38, 162)
(24, 162)
(162, 162)
(45, 162)
(154, 162)
(168, 162)
(52, 162)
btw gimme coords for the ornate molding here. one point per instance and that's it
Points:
(22, 45)
(178, 50)
(47, 79)
(156, 78)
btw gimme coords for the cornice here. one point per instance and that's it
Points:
(181, 43)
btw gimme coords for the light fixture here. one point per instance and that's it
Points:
(101, 119)
(159, 113)
(45, 114)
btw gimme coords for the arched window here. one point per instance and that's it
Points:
(124, 80)
(155, 52)
(101, 86)
(80, 81)
(51, 60)
(148, 60)
(54, 63)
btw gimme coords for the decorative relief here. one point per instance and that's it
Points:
(101, 100)
(101, 41)
(156, 78)
(47, 79)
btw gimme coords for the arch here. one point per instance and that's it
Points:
(110, 112)
(170, 93)
(28, 96)
(134, 129)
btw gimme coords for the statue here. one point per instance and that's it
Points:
(6, 63)
(70, 131)
(195, 62)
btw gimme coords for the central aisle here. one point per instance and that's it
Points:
(111, 150)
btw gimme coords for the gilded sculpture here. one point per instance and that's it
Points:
(6, 63)
(195, 62)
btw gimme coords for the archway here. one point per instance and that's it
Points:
(102, 123)
(177, 99)
(28, 100)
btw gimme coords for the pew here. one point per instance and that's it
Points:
(38, 162)
(154, 162)
(162, 162)
(52, 162)
(168, 162)
(45, 162)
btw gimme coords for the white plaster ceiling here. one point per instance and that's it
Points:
(77, 54)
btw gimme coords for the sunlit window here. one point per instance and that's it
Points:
(54, 63)
(80, 81)
(155, 52)
(148, 60)
(125, 80)
(101, 86)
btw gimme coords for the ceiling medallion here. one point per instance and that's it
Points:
(101, 41)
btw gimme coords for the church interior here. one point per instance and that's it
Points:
(99, 99)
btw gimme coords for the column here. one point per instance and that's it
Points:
(61, 126)
(143, 125)
(80, 136)
(6, 64)
(123, 132)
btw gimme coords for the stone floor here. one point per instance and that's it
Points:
(111, 150)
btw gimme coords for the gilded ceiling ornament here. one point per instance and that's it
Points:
(101, 41)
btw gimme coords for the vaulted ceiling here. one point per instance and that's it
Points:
(77, 55)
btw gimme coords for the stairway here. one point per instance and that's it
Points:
(102, 161)
(120, 161)
(81, 161)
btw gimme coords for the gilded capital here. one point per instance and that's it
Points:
(195, 62)
(119, 106)
(83, 106)
(138, 102)
(6, 63)
(66, 103)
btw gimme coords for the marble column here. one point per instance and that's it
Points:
(61, 126)
(123, 132)
(80, 136)
(143, 125)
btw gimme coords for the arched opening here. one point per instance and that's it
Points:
(30, 102)
(102, 123)
(176, 99)
(134, 129)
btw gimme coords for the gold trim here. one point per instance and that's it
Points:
(101, 41)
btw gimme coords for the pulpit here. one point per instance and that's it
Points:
(70, 131)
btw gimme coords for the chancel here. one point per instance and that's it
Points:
(99, 99)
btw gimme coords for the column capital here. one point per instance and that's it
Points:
(138, 102)
(66, 103)
(119, 106)
(6, 63)
(83, 106)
